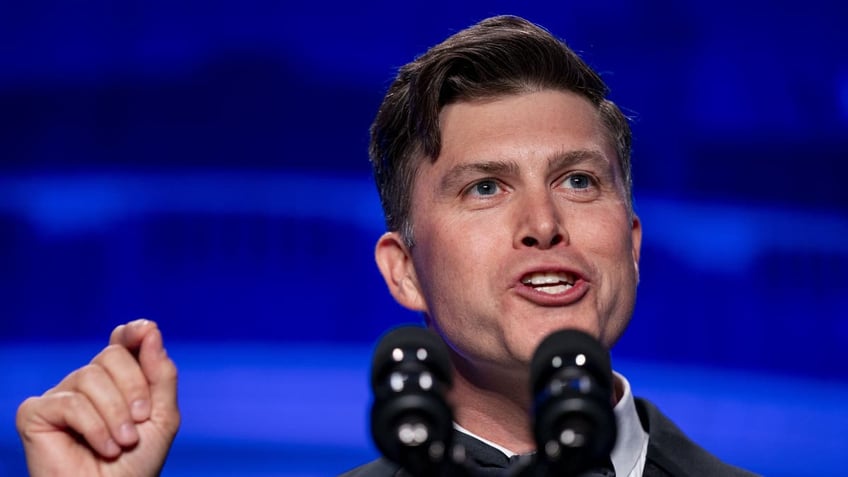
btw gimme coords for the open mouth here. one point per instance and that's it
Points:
(549, 282)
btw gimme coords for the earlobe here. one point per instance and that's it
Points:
(395, 264)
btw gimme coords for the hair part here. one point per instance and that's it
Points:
(496, 57)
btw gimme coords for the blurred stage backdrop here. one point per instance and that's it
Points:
(203, 164)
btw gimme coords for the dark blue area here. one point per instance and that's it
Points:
(204, 164)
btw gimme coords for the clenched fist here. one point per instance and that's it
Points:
(116, 416)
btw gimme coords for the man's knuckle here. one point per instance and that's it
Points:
(90, 373)
(111, 353)
(25, 409)
(72, 401)
(170, 370)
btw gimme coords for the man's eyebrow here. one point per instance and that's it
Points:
(567, 159)
(458, 174)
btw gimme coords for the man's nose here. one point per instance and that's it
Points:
(540, 222)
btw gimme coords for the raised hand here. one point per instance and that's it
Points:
(116, 416)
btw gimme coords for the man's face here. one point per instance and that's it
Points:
(520, 229)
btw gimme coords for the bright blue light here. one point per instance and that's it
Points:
(77, 204)
(281, 406)
(710, 236)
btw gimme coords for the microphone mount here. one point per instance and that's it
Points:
(573, 422)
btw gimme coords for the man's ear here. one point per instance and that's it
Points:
(636, 239)
(395, 264)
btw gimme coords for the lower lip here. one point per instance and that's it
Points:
(568, 297)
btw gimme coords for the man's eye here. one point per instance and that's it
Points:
(578, 181)
(485, 188)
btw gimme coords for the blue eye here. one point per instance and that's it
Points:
(578, 181)
(487, 187)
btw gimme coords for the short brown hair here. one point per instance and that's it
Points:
(497, 56)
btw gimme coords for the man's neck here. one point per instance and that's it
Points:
(495, 406)
(498, 407)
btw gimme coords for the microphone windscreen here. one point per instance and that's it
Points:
(569, 348)
(428, 348)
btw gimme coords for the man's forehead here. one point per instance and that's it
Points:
(604, 150)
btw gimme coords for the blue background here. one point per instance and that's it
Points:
(203, 164)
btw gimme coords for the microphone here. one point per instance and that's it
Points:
(574, 426)
(411, 423)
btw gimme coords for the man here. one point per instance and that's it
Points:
(504, 175)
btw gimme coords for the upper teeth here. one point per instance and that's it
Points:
(547, 278)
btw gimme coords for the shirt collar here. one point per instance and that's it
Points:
(503, 449)
(632, 441)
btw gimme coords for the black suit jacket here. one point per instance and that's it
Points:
(670, 453)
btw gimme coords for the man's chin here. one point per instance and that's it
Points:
(543, 332)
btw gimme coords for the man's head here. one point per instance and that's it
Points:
(496, 57)
(504, 175)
